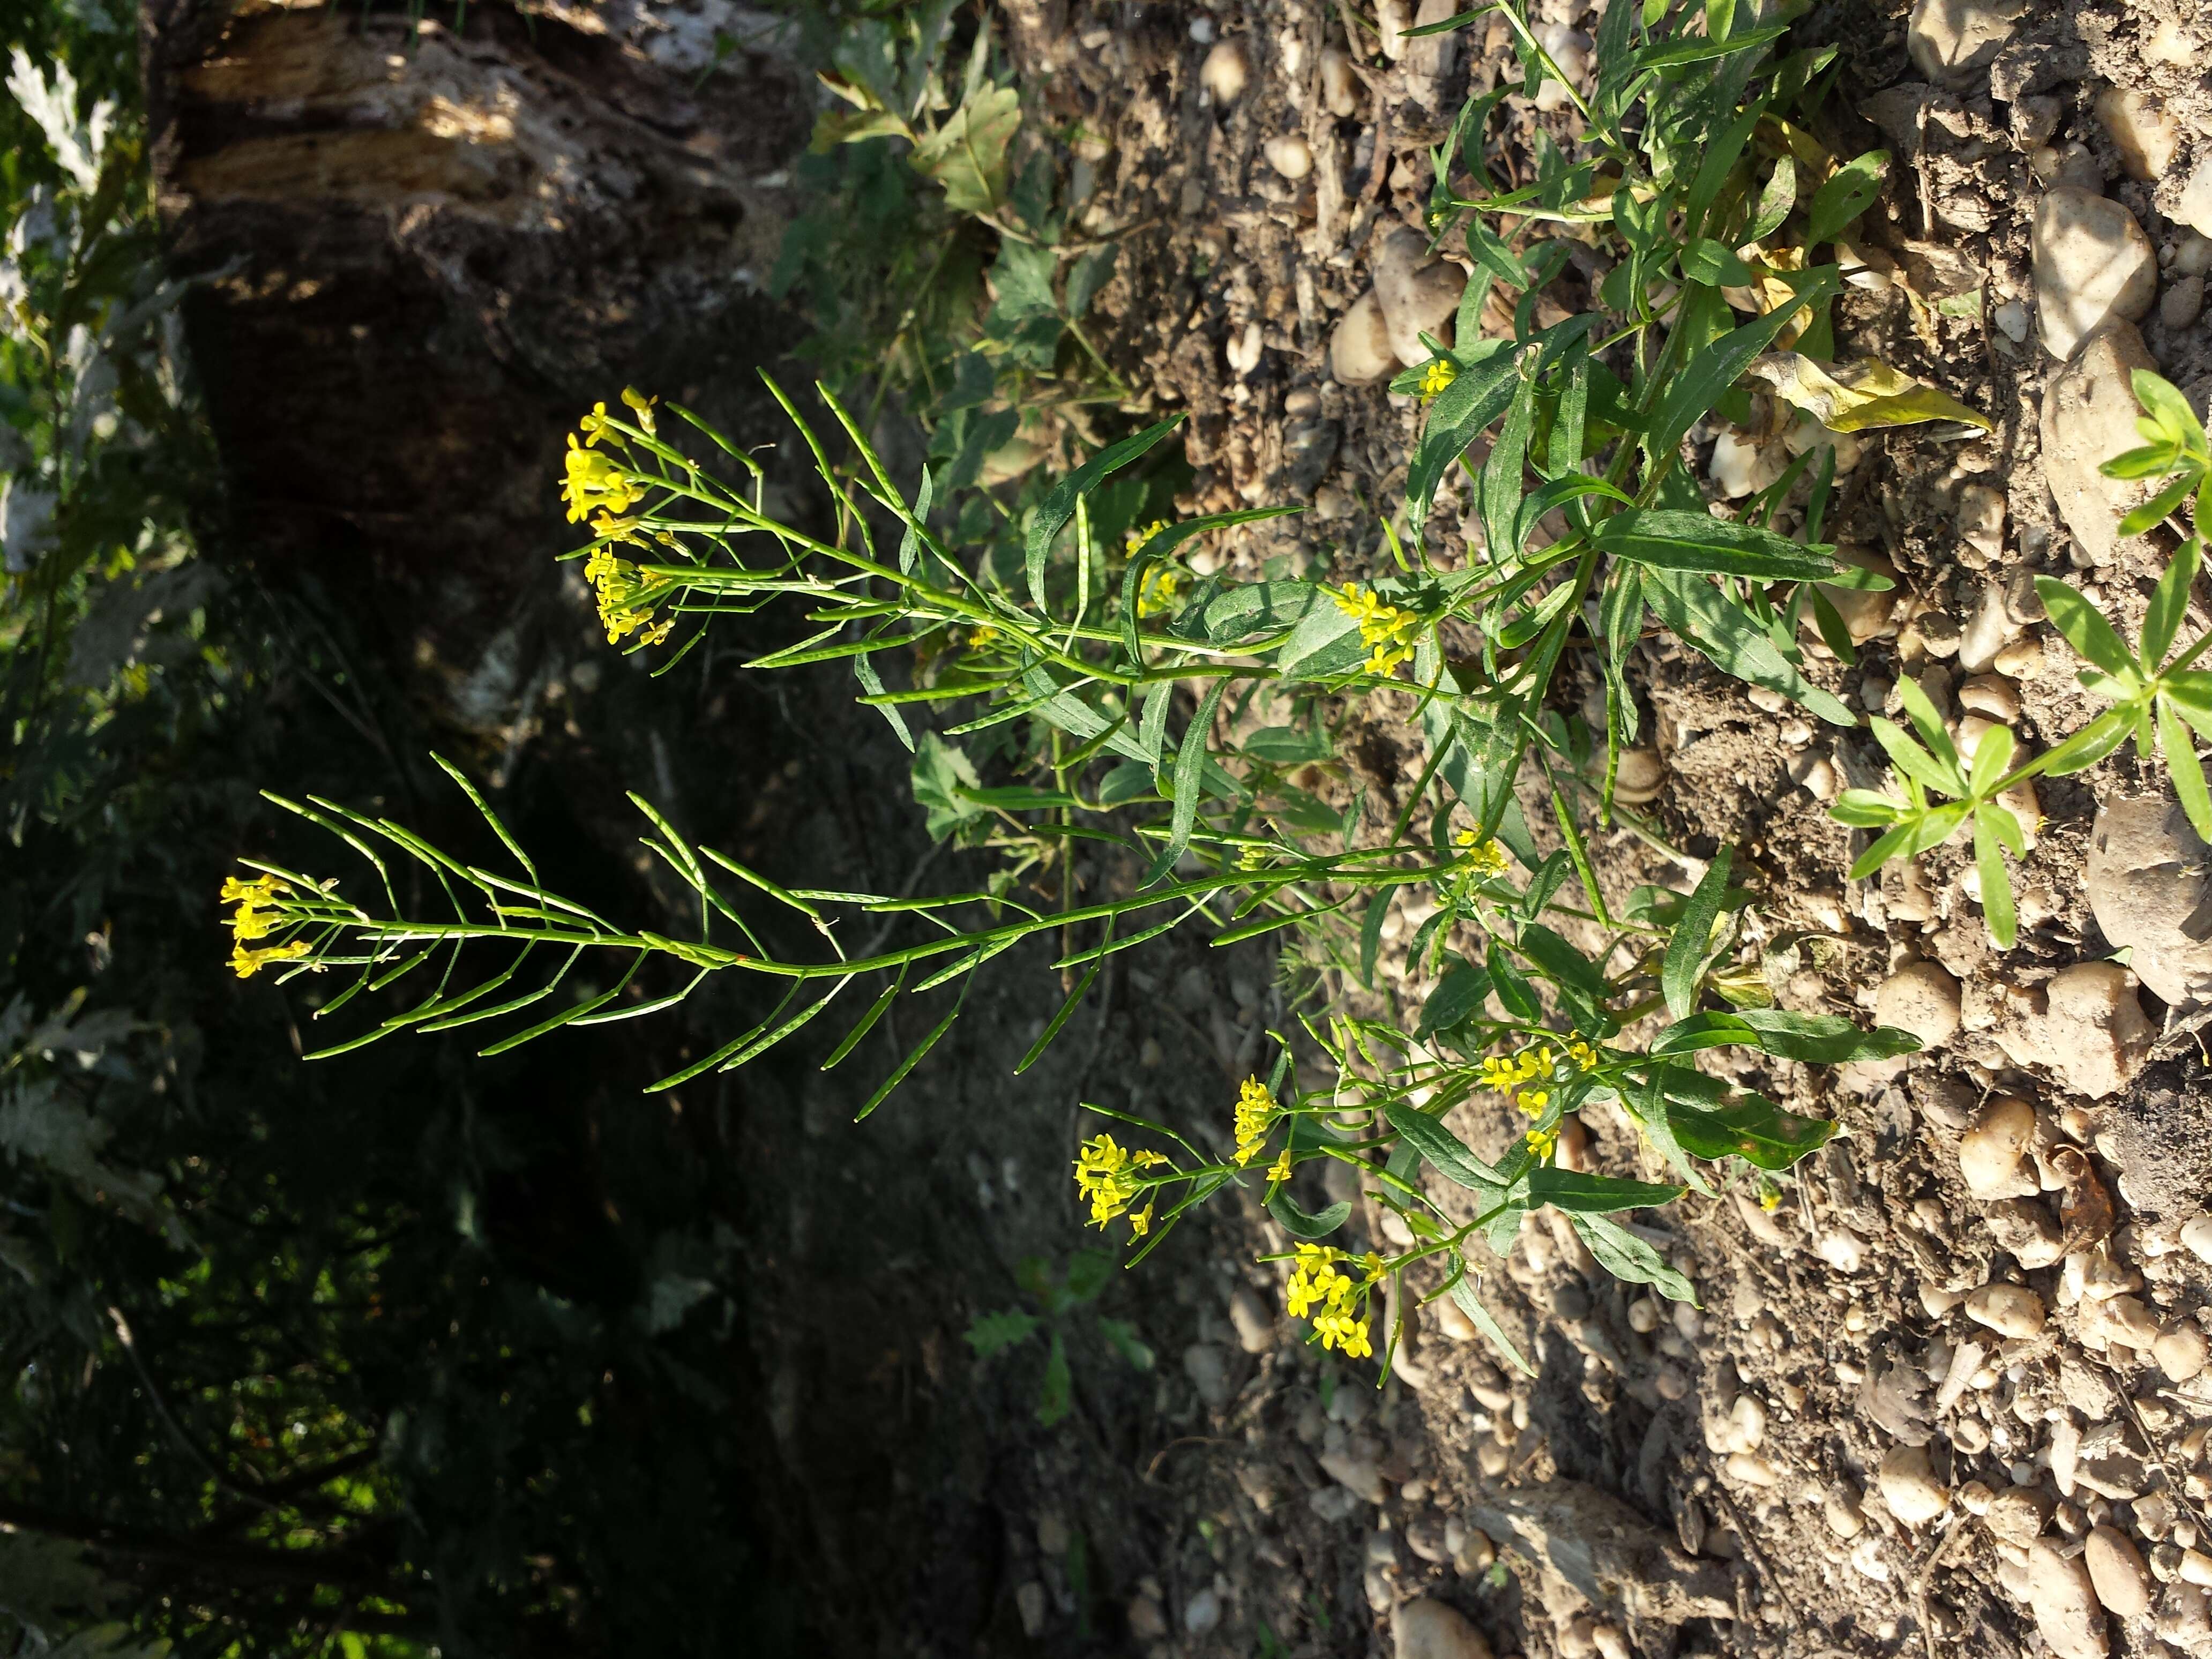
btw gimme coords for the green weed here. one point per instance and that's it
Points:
(1110, 700)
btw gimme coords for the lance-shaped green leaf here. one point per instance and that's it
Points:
(1059, 504)
(1717, 628)
(1694, 938)
(1445, 1150)
(1464, 1298)
(1477, 396)
(1710, 1121)
(1627, 1257)
(1571, 1189)
(1300, 1224)
(1673, 540)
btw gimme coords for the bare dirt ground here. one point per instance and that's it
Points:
(1865, 1442)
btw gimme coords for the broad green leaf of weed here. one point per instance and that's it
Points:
(967, 154)
(994, 1332)
(1850, 191)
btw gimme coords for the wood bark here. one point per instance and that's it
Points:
(425, 251)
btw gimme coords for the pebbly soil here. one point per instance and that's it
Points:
(1834, 1455)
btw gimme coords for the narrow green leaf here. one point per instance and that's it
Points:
(2086, 747)
(1915, 763)
(1059, 504)
(1719, 630)
(1823, 1039)
(1673, 540)
(2169, 603)
(1066, 1011)
(1514, 991)
(2180, 747)
(1992, 759)
(1569, 1189)
(1299, 1225)
(1459, 994)
(1445, 1150)
(1996, 884)
(2085, 629)
(1463, 1297)
(1189, 764)
(1717, 367)
(1692, 938)
(1850, 191)
(1627, 1257)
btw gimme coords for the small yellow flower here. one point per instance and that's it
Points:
(1584, 1057)
(981, 635)
(1533, 1101)
(596, 482)
(1105, 1174)
(1158, 589)
(1343, 1328)
(1255, 1110)
(1770, 1197)
(1374, 1265)
(1140, 1223)
(594, 426)
(1280, 1168)
(1440, 374)
(638, 401)
(245, 963)
(1484, 858)
(1541, 1142)
(622, 607)
(1387, 630)
(254, 919)
(1315, 1281)
(1499, 1075)
(1136, 539)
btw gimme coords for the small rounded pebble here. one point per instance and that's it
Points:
(1290, 155)
(1224, 72)
(1202, 1613)
(2064, 1602)
(2180, 1351)
(2009, 1310)
(1840, 1510)
(2117, 1573)
(1991, 1151)
(2196, 1237)
(1921, 997)
(1910, 1487)
(1751, 1469)
(1428, 1629)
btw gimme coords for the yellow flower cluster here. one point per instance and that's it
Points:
(1387, 630)
(1158, 589)
(616, 583)
(1523, 1067)
(254, 919)
(1136, 539)
(1484, 858)
(1440, 374)
(1330, 1299)
(1280, 1168)
(597, 482)
(1255, 1110)
(1531, 1063)
(1106, 1174)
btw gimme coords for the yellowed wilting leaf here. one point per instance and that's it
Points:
(1852, 397)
